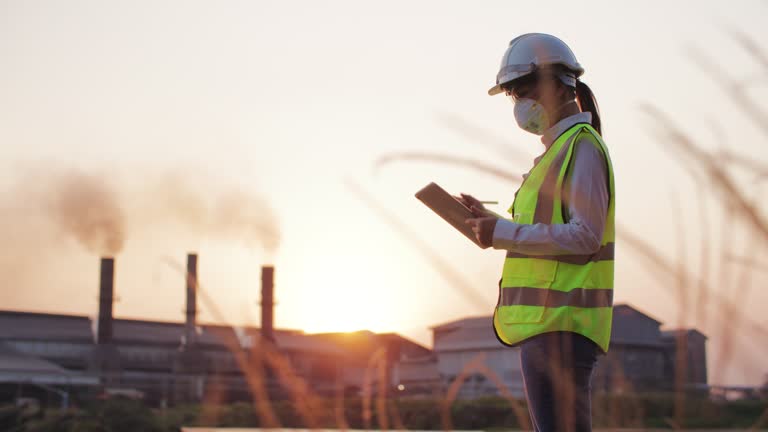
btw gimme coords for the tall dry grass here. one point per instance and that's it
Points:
(715, 183)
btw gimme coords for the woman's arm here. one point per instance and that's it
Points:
(585, 197)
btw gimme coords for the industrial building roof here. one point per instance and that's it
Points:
(32, 326)
(215, 335)
(674, 332)
(362, 343)
(630, 327)
(45, 326)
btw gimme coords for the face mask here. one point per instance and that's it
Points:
(531, 116)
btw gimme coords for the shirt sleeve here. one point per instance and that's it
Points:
(585, 197)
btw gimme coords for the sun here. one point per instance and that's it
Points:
(337, 292)
(339, 320)
(345, 308)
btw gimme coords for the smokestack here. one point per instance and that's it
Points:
(190, 334)
(106, 296)
(267, 303)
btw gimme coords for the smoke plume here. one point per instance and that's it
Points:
(101, 214)
(86, 207)
(209, 210)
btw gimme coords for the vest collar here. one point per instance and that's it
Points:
(554, 131)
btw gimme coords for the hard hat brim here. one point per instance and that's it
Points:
(495, 90)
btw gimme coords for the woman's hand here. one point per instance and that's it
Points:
(483, 228)
(478, 208)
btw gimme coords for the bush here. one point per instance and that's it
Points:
(490, 413)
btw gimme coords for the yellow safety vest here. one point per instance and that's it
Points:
(545, 293)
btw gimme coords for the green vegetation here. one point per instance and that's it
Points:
(492, 413)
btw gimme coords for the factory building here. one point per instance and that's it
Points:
(45, 349)
(172, 362)
(169, 362)
(408, 368)
(641, 357)
(458, 343)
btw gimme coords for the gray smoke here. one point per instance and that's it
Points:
(91, 209)
(207, 210)
(85, 206)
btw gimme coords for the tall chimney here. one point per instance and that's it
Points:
(267, 303)
(190, 335)
(106, 296)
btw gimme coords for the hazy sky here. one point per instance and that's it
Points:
(280, 106)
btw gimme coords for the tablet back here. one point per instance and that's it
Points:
(449, 208)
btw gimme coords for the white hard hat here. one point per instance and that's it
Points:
(530, 51)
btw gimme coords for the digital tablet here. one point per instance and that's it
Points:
(449, 208)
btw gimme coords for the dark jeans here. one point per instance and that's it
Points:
(557, 371)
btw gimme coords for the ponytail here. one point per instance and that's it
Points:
(587, 102)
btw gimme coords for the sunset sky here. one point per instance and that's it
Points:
(189, 112)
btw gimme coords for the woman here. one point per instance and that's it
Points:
(556, 290)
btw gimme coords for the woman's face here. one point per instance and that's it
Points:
(526, 89)
(546, 90)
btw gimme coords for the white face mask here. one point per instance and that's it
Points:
(531, 116)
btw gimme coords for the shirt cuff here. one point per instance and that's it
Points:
(504, 234)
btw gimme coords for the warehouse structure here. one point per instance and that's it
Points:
(640, 358)
(170, 362)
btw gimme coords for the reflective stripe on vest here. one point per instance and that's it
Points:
(542, 293)
(580, 297)
(604, 253)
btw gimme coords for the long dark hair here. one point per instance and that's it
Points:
(587, 102)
